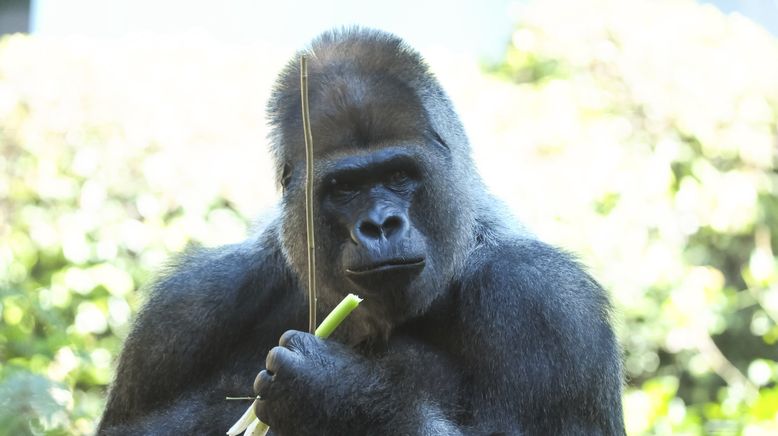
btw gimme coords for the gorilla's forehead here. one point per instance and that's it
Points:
(364, 89)
(352, 111)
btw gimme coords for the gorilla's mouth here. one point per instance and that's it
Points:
(387, 266)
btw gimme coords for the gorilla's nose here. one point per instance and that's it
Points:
(377, 226)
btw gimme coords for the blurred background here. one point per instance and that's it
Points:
(640, 134)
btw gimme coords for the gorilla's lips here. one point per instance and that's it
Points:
(391, 273)
(387, 266)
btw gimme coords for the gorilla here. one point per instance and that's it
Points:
(469, 325)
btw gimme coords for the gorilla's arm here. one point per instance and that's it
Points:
(536, 335)
(181, 357)
(526, 345)
(314, 386)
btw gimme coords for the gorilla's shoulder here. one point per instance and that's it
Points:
(525, 285)
(212, 275)
(528, 269)
(506, 253)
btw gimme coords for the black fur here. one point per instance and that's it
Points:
(480, 329)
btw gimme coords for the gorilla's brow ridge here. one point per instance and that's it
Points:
(355, 167)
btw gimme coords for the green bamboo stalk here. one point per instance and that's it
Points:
(338, 314)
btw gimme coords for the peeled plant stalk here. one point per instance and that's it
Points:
(338, 314)
(244, 422)
(249, 421)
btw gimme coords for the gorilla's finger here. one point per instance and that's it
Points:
(280, 358)
(262, 383)
(298, 341)
(289, 338)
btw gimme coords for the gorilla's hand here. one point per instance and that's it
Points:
(303, 373)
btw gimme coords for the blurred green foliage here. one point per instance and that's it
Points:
(688, 99)
(644, 137)
(92, 202)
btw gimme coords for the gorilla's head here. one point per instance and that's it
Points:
(394, 185)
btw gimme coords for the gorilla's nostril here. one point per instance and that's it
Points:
(369, 229)
(392, 224)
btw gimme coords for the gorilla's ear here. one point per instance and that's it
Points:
(439, 140)
(286, 176)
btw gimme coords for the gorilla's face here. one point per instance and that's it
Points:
(378, 246)
(377, 228)
(370, 198)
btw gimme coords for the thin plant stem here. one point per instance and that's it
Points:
(308, 195)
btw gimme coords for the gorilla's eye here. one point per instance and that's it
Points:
(343, 187)
(398, 178)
